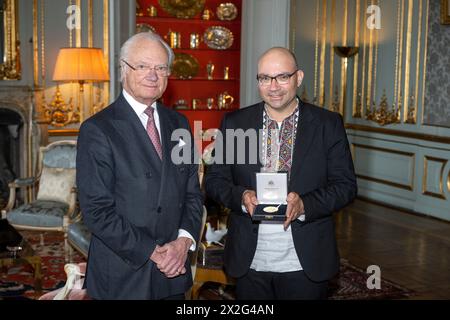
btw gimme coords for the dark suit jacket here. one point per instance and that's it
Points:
(133, 201)
(322, 174)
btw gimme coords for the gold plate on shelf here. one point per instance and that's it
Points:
(219, 38)
(226, 11)
(183, 9)
(184, 66)
(144, 27)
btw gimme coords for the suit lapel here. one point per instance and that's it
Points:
(257, 123)
(305, 135)
(167, 127)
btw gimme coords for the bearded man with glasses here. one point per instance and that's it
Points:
(144, 211)
(296, 258)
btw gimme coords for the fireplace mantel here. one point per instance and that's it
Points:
(21, 100)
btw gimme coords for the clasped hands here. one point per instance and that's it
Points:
(171, 257)
(294, 209)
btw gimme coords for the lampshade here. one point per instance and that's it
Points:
(80, 64)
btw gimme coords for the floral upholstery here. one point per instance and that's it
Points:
(56, 184)
(39, 213)
(61, 156)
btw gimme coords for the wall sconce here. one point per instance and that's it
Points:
(80, 65)
(345, 52)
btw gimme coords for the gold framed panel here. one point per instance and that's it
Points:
(63, 133)
(399, 133)
(427, 192)
(445, 11)
(10, 68)
(448, 182)
(409, 187)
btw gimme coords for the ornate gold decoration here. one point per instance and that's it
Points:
(78, 30)
(58, 113)
(332, 39)
(382, 115)
(322, 55)
(183, 9)
(363, 66)
(445, 16)
(335, 103)
(10, 69)
(344, 61)
(411, 115)
(316, 51)
(425, 190)
(226, 11)
(408, 58)
(185, 66)
(400, 61)
(358, 107)
(106, 47)
(99, 104)
(35, 45)
(139, 11)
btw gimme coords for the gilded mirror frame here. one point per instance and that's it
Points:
(10, 68)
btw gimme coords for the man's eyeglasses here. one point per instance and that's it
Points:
(283, 78)
(161, 70)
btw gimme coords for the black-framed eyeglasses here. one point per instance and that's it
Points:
(161, 70)
(282, 78)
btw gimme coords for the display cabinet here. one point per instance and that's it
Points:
(205, 36)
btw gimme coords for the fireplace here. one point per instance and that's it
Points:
(19, 139)
(11, 127)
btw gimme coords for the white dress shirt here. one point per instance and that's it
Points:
(140, 108)
(275, 250)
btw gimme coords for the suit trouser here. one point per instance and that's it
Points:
(295, 285)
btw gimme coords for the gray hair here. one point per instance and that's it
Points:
(149, 36)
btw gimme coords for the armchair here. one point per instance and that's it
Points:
(55, 203)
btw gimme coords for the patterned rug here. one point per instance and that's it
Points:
(17, 282)
(351, 284)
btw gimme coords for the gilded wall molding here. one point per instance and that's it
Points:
(426, 192)
(424, 77)
(356, 110)
(407, 61)
(332, 39)
(399, 133)
(10, 68)
(409, 187)
(323, 48)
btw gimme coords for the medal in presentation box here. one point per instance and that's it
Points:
(271, 191)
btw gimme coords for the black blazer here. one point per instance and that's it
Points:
(322, 174)
(133, 201)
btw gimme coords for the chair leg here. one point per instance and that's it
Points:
(41, 239)
(70, 254)
(66, 248)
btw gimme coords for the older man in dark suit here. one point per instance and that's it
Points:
(144, 210)
(294, 259)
